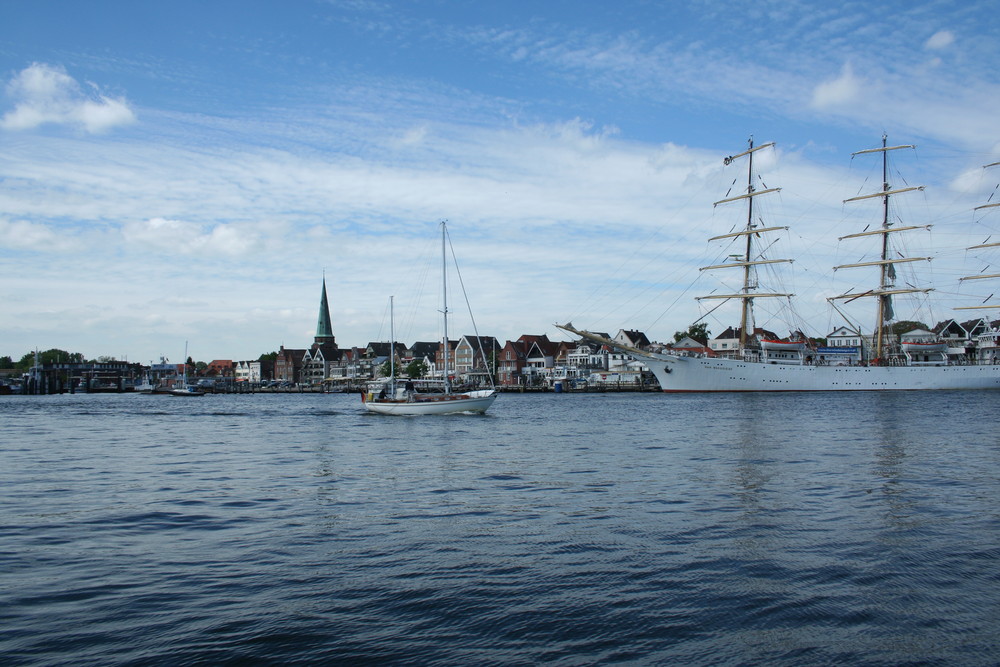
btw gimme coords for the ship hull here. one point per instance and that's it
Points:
(693, 374)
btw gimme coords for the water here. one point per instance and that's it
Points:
(568, 529)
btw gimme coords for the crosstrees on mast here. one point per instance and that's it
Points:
(887, 272)
(748, 261)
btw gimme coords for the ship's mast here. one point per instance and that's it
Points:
(747, 305)
(884, 300)
(747, 262)
(886, 264)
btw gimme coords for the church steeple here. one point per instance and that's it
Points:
(324, 327)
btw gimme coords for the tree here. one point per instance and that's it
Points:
(270, 356)
(416, 369)
(52, 356)
(698, 332)
(6, 362)
(384, 370)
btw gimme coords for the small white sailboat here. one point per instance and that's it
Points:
(394, 399)
(185, 389)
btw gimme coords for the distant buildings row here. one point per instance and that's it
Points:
(531, 360)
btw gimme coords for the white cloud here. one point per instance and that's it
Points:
(185, 238)
(940, 40)
(47, 94)
(24, 235)
(838, 92)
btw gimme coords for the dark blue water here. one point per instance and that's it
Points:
(793, 529)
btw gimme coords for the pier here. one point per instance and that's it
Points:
(61, 378)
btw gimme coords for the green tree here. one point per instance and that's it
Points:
(698, 332)
(52, 356)
(416, 369)
(6, 362)
(270, 356)
(385, 371)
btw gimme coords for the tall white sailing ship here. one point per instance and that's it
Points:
(764, 364)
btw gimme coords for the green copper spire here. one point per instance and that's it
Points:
(324, 328)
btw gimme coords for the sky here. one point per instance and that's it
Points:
(190, 173)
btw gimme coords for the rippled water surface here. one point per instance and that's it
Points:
(788, 529)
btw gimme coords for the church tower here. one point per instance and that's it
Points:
(321, 357)
(324, 327)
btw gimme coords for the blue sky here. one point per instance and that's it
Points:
(188, 171)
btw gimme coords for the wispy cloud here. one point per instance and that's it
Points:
(940, 40)
(781, 59)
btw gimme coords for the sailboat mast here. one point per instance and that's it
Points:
(444, 299)
(745, 315)
(392, 346)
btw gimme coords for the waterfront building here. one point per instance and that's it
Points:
(469, 355)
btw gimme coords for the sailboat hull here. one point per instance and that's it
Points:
(442, 404)
(693, 374)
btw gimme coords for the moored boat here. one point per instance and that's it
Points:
(185, 389)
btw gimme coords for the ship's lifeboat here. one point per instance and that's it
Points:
(794, 346)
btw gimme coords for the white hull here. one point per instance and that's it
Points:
(430, 404)
(187, 392)
(692, 374)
